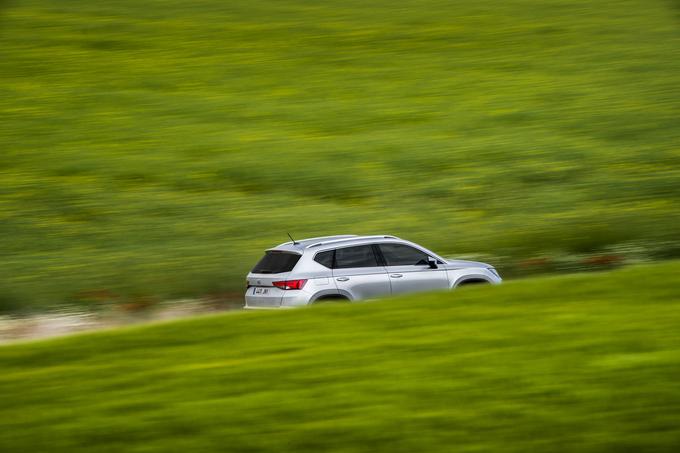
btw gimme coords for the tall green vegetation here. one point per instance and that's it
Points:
(155, 148)
(578, 363)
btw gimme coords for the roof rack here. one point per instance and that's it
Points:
(352, 238)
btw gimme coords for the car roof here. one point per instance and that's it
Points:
(345, 239)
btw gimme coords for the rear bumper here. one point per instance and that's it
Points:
(279, 299)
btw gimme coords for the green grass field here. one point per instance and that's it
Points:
(156, 148)
(584, 362)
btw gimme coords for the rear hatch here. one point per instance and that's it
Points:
(274, 266)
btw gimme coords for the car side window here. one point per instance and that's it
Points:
(360, 256)
(325, 258)
(402, 255)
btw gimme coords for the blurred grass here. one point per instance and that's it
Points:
(156, 148)
(583, 362)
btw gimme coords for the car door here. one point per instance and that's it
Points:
(357, 271)
(409, 271)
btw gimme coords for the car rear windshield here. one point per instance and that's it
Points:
(274, 262)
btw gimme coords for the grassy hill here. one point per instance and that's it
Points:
(585, 362)
(155, 148)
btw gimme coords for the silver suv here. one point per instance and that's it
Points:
(354, 268)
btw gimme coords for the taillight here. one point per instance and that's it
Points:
(290, 284)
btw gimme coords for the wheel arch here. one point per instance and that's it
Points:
(328, 293)
(471, 279)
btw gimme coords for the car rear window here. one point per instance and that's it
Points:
(275, 262)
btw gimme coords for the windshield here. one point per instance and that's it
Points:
(275, 262)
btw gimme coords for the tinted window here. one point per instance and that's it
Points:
(402, 255)
(274, 262)
(361, 256)
(325, 258)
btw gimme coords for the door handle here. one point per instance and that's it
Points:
(396, 275)
(342, 279)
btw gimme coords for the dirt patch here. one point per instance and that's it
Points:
(69, 321)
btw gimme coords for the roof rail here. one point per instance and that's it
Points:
(353, 238)
(320, 238)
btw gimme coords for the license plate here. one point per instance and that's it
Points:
(261, 291)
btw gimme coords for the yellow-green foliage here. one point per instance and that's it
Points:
(157, 147)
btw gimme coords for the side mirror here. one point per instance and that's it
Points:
(432, 262)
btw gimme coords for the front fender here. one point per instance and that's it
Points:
(463, 278)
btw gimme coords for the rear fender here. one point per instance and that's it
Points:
(331, 292)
